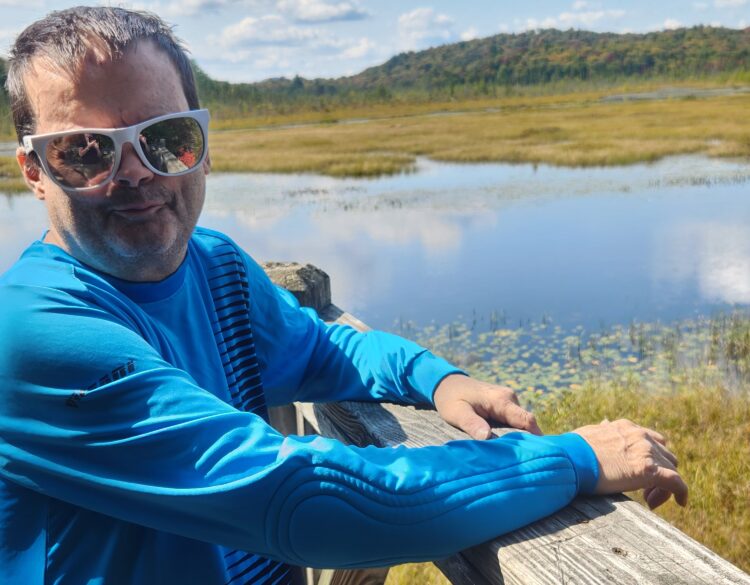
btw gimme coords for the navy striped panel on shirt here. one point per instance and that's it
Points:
(234, 337)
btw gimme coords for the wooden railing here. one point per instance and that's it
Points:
(593, 540)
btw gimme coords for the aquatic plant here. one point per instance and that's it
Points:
(689, 380)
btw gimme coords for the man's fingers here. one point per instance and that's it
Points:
(666, 454)
(463, 416)
(670, 481)
(655, 496)
(657, 436)
(515, 416)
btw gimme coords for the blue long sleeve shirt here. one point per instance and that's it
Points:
(124, 457)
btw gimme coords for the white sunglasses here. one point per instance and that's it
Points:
(85, 159)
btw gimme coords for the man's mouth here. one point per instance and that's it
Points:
(139, 210)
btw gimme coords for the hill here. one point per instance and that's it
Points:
(485, 66)
(551, 55)
(504, 61)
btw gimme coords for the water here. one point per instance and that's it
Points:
(494, 242)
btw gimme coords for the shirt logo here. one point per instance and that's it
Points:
(118, 373)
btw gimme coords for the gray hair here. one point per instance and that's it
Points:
(63, 39)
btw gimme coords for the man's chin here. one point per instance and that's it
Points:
(148, 248)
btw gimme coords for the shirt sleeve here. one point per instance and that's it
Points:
(306, 359)
(98, 419)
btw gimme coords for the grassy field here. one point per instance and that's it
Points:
(570, 129)
(688, 380)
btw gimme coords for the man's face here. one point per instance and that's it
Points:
(137, 226)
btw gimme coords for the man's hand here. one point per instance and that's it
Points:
(470, 405)
(632, 457)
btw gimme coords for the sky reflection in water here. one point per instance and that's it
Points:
(580, 246)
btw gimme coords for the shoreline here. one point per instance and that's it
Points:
(580, 130)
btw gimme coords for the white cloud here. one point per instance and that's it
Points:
(580, 5)
(700, 6)
(469, 34)
(671, 24)
(729, 3)
(192, 7)
(270, 46)
(533, 23)
(266, 30)
(301, 11)
(359, 49)
(422, 28)
(320, 11)
(567, 20)
(589, 18)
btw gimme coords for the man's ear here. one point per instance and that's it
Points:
(32, 172)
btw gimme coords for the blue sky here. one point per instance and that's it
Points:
(250, 40)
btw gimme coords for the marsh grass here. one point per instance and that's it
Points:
(11, 180)
(570, 128)
(567, 130)
(708, 427)
(689, 380)
(416, 574)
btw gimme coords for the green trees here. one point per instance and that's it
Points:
(488, 66)
(481, 66)
(544, 56)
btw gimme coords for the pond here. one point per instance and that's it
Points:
(493, 244)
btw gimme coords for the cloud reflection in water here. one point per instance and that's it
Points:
(714, 256)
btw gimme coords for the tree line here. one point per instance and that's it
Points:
(501, 63)
(490, 65)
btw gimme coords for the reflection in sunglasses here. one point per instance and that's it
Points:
(168, 145)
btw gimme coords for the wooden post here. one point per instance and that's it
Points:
(312, 288)
(593, 540)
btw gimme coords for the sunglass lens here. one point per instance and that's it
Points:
(173, 146)
(81, 160)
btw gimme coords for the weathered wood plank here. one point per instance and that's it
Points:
(594, 540)
(361, 577)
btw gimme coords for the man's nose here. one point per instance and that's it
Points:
(132, 171)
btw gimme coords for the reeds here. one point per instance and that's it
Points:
(569, 130)
(708, 427)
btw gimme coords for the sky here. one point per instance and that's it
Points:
(252, 40)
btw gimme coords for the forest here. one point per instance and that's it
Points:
(499, 64)
(494, 66)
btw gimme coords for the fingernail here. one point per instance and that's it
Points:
(481, 434)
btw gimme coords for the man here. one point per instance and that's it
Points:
(138, 354)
